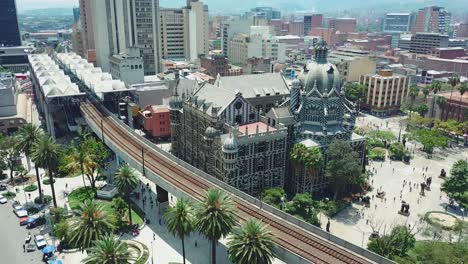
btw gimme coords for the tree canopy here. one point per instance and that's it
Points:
(429, 138)
(310, 157)
(397, 243)
(343, 166)
(354, 92)
(273, 196)
(456, 186)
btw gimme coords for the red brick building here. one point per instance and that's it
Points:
(343, 24)
(448, 53)
(219, 65)
(156, 121)
(455, 107)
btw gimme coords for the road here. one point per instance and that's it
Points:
(12, 238)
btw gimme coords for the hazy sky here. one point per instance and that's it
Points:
(36, 4)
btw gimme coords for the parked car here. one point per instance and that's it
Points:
(23, 220)
(19, 211)
(35, 222)
(3, 200)
(40, 241)
(30, 247)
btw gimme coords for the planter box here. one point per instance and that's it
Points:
(107, 192)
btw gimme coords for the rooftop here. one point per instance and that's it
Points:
(251, 129)
(456, 96)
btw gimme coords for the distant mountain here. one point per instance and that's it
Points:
(237, 6)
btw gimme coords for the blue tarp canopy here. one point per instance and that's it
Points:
(48, 249)
(31, 220)
(55, 261)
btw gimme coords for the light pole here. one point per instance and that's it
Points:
(152, 252)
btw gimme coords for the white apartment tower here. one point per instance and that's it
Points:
(197, 21)
(120, 24)
(174, 37)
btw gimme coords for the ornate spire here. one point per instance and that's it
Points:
(321, 51)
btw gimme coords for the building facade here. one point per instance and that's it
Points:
(218, 131)
(352, 63)
(432, 19)
(9, 31)
(424, 43)
(244, 46)
(312, 21)
(397, 23)
(128, 67)
(384, 92)
(156, 121)
(343, 25)
(87, 31)
(174, 34)
(197, 22)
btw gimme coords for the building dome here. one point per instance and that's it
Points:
(320, 72)
(211, 132)
(230, 144)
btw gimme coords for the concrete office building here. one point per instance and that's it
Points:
(128, 67)
(120, 24)
(312, 21)
(87, 31)
(268, 12)
(174, 34)
(343, 25)
(384, 92)
(13, 105)
(432, 19)
(424, 43)
(352, 63)
(9, 29)
(230, 28)
(15, 59)
(197, 22)
(397, 23)
(244, 46)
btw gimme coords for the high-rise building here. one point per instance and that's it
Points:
(384, 92)
(343, 25)
(174, 34)
(76, 14)
(424, 43)
(9, 29)
(87, 31)
(120, 24)
(312, 21)
(147, 33)
(462, 30)
(397, 23)
(197, 22)
(231, 27)
(268, 12)
(432, 19)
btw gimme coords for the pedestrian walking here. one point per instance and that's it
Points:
(66, 186)
(196, 243)
(24, 248)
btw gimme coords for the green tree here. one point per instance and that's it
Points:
(429, 138)
(377, 153)
(251, 243)
(109, 250)
(436, 86)
(454, 81)
(180, 221)
(354, 92)
(9, 152)
(274, 196)
(456, 186)
(215, 217)
(398, 150)
(463, 88)
(382, 135)
(62, 232)
(305, 207)
(413, 93)
(397, 243)
(422, 109)
(426, 91)
(45, 154)
(28, 136)
(310, 157)
(126, 181)
(91, 223)
(343, 166)
(120, 207)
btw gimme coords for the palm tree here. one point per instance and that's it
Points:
(91, 223)
(440, 101)
(28, 135)
(413, 93)
(251, 243)
(126, 181)
(109, 250)
(454, 81)
(463, 88)
(436, 86)
(215, 217)
(76, 160)
(45, 154)
(180, 220)
(426, 92)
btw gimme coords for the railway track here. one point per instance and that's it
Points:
(287, 235)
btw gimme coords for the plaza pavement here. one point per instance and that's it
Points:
(354, 223)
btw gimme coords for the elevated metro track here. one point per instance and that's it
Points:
(306, 246)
